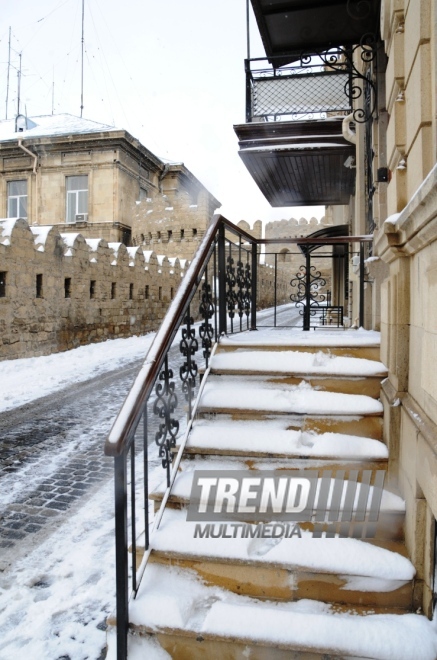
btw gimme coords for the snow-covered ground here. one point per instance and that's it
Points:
(27, 379)
(54, 600)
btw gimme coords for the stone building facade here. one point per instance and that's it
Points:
(405, 140)
(79, 175)
(61, 290)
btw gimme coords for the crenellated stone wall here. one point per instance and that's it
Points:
(58, 291)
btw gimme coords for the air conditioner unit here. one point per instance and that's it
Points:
(82, 217)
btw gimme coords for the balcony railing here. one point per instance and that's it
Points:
(306, 89)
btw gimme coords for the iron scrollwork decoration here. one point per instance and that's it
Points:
(188, 347)
(244, 283)
(164, 406)
(231, 282)
(307, 284)
(206, 311)
(359, 84)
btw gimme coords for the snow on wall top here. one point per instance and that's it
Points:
(50, 125)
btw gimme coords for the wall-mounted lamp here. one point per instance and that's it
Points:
(400, 97)
(402, 165)
(350, 162)
(400, 28)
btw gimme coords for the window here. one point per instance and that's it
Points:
(93, 289)
(146, 292)
(113, 290)
(170, 234)
(160, 293)
(77, 197)
(194, 233)
(2, 284)
(182, 233)
(171, 293)
(39, 285)
(67, 287)
(17, 199)
(131, 291)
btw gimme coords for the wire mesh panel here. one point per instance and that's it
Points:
(300, 93)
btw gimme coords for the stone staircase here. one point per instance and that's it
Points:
(272, 403)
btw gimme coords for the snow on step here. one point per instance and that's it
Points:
(174, 599)
(240, 394)
(295, 337)
(340, 556)
(181, 489)
(273, 437)
(293, 362)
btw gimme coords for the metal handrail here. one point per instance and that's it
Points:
(132, 409)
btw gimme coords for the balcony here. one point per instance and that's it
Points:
(292, 143)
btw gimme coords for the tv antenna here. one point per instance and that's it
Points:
(81, 74)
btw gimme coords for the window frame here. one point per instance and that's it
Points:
(74, 202)
(18, 199)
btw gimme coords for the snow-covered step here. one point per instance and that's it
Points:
(351, 343)
(193, 620)
(274, 438)
(298, 363)
(322, 371)
(391, 516)
(340, 570)
(253, 397)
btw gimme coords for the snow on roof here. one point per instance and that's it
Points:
(48, 125)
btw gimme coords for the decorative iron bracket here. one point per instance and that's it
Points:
(360, 83)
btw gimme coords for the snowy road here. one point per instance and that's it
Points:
(56, 518)
(56, 499)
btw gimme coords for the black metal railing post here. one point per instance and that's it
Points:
(222, 280)
(121, 554)
(361, 315)
(254, 285)
(307, 308)
(248, 92)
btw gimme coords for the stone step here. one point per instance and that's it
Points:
(191, 619)
(296, 363)
(279, 437)
(342, 570)
(259, 395)
(350, 343)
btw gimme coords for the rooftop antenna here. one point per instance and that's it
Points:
(247, 29)
(81, 77)
(9, 66)
(53, 92)
(19, 86)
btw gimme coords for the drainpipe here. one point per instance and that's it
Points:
(35, 162)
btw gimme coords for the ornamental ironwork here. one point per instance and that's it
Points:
(164, 406)
(244, 283)
(206, 311)
(231, 283)
(308, 282)
(188, 347)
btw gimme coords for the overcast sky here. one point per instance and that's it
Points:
(171, 72)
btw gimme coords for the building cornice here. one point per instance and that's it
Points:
(414, 227)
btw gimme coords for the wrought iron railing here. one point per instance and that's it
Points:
(219, 294)
(313, 86)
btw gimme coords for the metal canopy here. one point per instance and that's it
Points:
(288, 27)
(299, 163)
(327, 232)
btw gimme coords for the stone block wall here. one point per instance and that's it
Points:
(59, 291)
